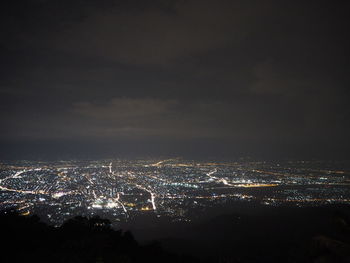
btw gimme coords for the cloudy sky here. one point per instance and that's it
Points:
(194, 78)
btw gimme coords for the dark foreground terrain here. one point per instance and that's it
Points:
(26, 239)
(283, 234)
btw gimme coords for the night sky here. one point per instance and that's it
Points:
(199, 79)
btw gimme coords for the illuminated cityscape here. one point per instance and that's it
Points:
(190, 131)
(123, 189)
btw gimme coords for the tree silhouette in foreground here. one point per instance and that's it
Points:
(79, 239)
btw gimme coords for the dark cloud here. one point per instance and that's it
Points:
(175, 77)
(155, 36)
